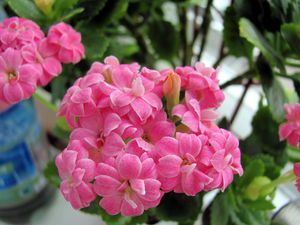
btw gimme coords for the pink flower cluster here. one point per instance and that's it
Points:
(290, 130)
(139, 133)
(28, 58)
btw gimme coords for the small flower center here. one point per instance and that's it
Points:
(186, 162)
(11, 75)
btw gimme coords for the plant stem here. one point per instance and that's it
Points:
(288, 177)
(239, 104)
(205, 27)
(183, 22)
(137, 35)
(238, 79)
(221, 55)
(45, 102)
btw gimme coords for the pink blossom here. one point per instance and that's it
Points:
(134, 93)
(196, 119)
(68, 41)
(81, 99)
(290, 130)
(201, 84)
(98, 147)
(297, 174)
(76, 174)
(43, 55)
(158, 127)
(16, 32)
(17, 80)
(128, 185)
(178, 163)
(220, 159)
(156, 77)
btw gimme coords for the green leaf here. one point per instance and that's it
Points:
(219, 207)
(94, 41)
(58, 85)
(260, 204)
(179, 207)
(111, 12)
(272, 169)
(61, 6)
(253, 217)
(253, 35)
(51, 174)
(253, 169)
(291, 33)
(164, 38)
(254, 190)
(272, 88)
(91, 8)
(26, 9)
(237, 46)
(71, 14)
(121, 50)
(268, 135)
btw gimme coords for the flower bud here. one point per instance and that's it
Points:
(44, 5)
(171, 89)
(257, 188)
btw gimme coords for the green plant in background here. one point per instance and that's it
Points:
(265, 32)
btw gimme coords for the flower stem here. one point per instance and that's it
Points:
(239, 104)
(285, 178)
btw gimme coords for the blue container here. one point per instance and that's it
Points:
(24, 152)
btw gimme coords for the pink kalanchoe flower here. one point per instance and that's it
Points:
(158, 127)
(76, 174)
(196, 119)
(156, 77)
(221, 158)
(178, 163)
(16, 32)
(134, 93)
(201, 84)
(17, 80)
(291, 129)
(128, 185)
(297, 174)
(81, 99)
(99, 148)
(43, 55)
(68, 41)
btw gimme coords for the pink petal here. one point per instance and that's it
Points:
(111, 122)
(132, 207)
(52, 66)
(189, 143)
(13, 92)
(169, 165)
(148, 169)
(108, 170)
(106, 186)
(191, 121)
(120, 99)
(137, 87)
(129, 166)
(141, 108)
(152, 190)
(167, 146)
(138, 185)
(113, 144)
(112, 205)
